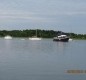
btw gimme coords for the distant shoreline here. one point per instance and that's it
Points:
(40, 33)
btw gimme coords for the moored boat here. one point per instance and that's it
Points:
(62, 38)
(70, 39)
(7, 37)
(35, 37)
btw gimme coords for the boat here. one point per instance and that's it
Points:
(70, 39)
(62, 38)
(35, 37)
(7, 37)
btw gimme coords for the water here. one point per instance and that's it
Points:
(42, 60)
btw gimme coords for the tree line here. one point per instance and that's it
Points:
(40, 33)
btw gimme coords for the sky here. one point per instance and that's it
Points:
(62, 15)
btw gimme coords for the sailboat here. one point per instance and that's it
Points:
(35, 37)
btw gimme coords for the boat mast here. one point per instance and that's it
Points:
(36, 32)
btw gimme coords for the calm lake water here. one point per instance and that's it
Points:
(42, 60)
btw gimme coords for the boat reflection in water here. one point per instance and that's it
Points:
(62, 38)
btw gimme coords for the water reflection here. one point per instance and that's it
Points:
(7, 43)
(60, 47)
(41, 60)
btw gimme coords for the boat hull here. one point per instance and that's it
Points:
(62, 40)
(34, 38)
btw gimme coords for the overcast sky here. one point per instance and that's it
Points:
(64, 15)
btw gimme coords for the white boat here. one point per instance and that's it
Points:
(35, 37)
(7, 37)
(70, 39)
